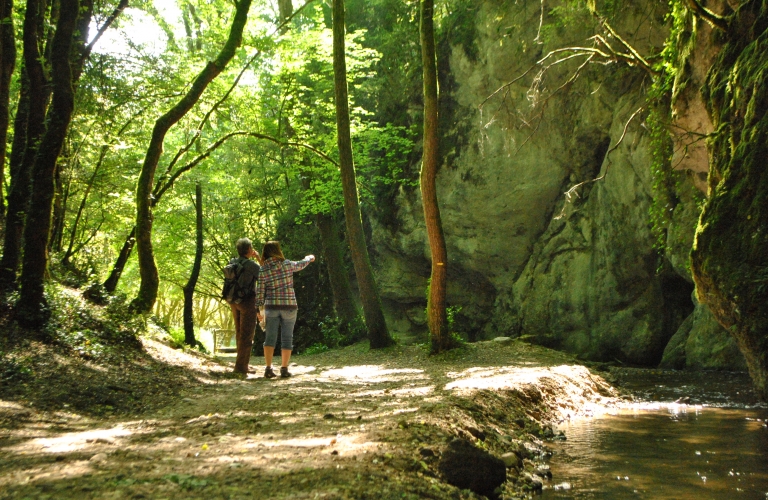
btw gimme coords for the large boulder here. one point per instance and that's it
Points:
(701, 343)
(468, 467)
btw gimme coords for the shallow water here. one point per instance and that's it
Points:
(713, 446)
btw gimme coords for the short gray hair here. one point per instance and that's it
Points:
(243, 246)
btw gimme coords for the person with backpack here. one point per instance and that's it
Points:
(275, 292)
(240, 278)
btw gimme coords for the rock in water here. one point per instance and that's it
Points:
(468, 467)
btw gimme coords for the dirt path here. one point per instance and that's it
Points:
(351, 423)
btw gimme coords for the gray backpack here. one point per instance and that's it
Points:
(238, 284)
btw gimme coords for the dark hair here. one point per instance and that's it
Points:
(272, 249)
(243, 246)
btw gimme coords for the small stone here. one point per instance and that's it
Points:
(99, 457)
(510, 460)
(503, 340)
(477, 433)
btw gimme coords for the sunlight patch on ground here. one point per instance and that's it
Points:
(72, 441)
(378, 393)
(507, 377)
(48, 472)
(570, 389)
(370, 374)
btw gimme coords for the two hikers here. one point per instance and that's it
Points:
(271, 286)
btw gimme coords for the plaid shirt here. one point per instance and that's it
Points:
(275, 287)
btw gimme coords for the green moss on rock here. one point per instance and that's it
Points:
(729, 258)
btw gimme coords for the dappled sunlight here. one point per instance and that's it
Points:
(570, 389)
(342, 443)
(48, 472)
(362, 374)
(73, 441)
(409, 391)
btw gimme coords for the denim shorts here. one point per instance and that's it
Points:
(286, 319)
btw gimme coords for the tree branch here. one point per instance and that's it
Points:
(118, 10)
(572, 192)
(715, 20)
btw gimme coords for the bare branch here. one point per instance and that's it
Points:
(164, 185)
(107, 23)
(715, 20)
(573, 191)
(636, 57)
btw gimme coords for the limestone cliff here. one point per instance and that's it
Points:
(579, 274)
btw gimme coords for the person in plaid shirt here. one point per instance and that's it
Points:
(275, 292)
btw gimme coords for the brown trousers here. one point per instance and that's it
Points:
(245, 328)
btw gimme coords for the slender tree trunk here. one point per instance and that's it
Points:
(58, 211)
(286, 9)
(32, 310)
(81, 208)
(436, 315)
(7, 64)
(117, 270)
(30, 116)
(343, 303)
(147, 266)
(369, 294)
(189, 288)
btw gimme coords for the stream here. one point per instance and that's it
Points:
(696, 435)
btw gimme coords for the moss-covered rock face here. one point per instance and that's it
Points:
(730, 255)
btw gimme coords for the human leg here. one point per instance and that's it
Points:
(270, 334)
(288, 321)
(236, 317)
(247, 313)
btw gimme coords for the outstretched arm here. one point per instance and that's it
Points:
(301, 264)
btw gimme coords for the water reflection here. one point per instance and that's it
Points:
(663, 450)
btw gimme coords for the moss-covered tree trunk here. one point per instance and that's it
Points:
(189, 288)
(730, 256)
(369, 294)
(31, 304)
(147, 295)
(436, 314)
(7, 64)
(28, 128)
(343, 301)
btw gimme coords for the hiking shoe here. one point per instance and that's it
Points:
(269, 372)
(284, 372)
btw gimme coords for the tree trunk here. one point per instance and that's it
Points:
(343, 303)
(81, 208)
(729, 261)
(7, 64)
(147, 266)
(286, 9)
(114, 276)
(32, 310)
(189, 288)
(29, 127)
(58, 212)
(436, 316)
(369, 294)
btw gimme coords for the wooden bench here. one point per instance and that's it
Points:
(219, 336)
